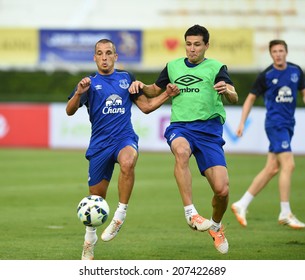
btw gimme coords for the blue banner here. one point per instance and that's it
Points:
(78, 45)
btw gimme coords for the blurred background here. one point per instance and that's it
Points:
(46, 47)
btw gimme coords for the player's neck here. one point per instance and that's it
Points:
(281, 66)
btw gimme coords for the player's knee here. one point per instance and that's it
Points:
(127, 165)
(182, 153)
(273, 170)
(222, 191)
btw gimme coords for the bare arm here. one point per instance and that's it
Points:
(147, 105)
(248, 104)
(149, 90)
(74, 102)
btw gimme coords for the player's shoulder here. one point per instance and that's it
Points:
(124, 73)
(289, 63)
(267, 69)
(93, 75)
(294, 65)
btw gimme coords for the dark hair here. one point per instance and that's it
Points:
(198, 30)
(105, 41)
(278, 42)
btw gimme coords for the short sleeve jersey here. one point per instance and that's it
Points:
(279, 89)
(109, 106)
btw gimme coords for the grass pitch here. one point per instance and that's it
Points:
(40, 190)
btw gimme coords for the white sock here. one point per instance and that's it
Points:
(215, 226)
(120, 212)
(91, 235)
(245, 200)
(285, 208)
(189, 211)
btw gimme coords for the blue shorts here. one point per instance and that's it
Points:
(102, 160)
(279, 139)
(205, 139)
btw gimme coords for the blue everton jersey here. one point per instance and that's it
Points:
(109, 106)
(280, 89)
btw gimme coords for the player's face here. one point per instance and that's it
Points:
(195, 49)
(105, 58)
(279, 54)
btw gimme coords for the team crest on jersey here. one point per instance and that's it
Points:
(294, 78)
(275, 81)
(123, 84)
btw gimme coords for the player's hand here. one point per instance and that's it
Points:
(83, 85)
(135, 87)
(221, 87)
(172, 90)
(240, 130)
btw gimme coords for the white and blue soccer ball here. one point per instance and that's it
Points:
(93, 210)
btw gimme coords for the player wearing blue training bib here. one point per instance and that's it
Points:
(279, 85)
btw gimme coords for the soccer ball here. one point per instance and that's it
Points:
(93, 210)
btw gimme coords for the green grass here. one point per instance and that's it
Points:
(40, 190)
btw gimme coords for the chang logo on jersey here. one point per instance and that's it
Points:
(123, 84)
(112, 105)
(186, 81)
(284, 95)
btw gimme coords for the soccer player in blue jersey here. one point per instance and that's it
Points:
(279, 85)
(197, 118)
(113, 140)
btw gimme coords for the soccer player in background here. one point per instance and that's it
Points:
(113, 140)
(196, 127)
(279, 84)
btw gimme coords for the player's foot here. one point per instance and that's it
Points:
(88, 251)
(220, 242)
(291, 221)
(240, 214)
(199, 223)
(112, 230)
